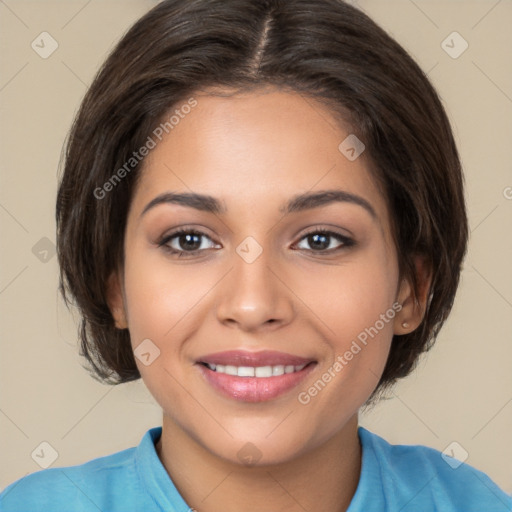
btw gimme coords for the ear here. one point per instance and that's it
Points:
(413, 308)
(115, 300)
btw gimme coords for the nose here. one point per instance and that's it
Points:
(254, 295)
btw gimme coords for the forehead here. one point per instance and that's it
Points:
(255, 148)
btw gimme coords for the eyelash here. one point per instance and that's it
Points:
(163, 243)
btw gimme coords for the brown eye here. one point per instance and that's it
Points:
(322, 241)
(184, 242)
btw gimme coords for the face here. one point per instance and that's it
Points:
(316, 284)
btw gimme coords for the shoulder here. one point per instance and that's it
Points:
(420, 476)
(86, 486)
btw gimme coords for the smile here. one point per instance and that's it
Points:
(253, 376)
(258, 371)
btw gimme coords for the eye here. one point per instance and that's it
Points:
(185, 242)
(321, 241)
(188, 242)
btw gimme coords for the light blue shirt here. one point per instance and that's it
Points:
(394, 478)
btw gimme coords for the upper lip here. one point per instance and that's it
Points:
(255, 359)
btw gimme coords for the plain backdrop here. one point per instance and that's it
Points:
(461, 390)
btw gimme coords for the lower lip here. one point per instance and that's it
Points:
(254, 389)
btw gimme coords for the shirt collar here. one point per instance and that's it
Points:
(154, 476)
(369, 494)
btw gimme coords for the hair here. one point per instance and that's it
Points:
(326, 50)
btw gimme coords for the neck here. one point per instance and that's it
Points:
(323, 479)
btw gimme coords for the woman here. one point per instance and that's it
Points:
(262, 215)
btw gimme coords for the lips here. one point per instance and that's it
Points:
(245, 376)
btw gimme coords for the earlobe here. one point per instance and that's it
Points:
(115, 301)
(413, 308)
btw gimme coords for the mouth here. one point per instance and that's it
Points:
(254, 376)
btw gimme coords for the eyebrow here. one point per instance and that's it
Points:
(297, 203)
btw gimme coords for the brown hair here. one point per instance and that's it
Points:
(325, 49)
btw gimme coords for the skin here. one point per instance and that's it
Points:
(253, 152)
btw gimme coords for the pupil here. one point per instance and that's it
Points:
(188, 238)
(322, 244)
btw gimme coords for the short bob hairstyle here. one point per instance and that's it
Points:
(326, 50)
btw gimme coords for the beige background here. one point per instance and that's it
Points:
(462, 391)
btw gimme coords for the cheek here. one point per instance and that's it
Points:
(164, 301)
(160, 294)
(351, 297)
(354, 302)
(160, 300)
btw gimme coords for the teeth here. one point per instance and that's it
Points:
(245, 371)
(259, 371)
(230, 370)
(277, 370)
(263, 371)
